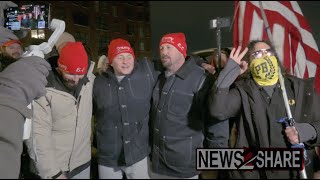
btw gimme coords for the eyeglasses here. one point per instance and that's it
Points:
(261, 52)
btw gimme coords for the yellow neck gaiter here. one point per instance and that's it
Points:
(265, 70)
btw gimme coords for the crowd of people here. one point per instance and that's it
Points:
(144, 123)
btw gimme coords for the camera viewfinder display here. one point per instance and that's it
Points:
(27, 17)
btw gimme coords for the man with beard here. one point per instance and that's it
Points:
(178, 111)
(10, 48)
(60, 145)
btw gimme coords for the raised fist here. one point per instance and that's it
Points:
(25, 80)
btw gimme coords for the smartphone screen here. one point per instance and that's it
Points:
(33, 16)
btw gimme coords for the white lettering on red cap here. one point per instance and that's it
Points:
(79, 69)
(180, 46)
(168, 39)
(63, 67)
(123, 49)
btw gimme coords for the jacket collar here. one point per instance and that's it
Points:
(185, 70)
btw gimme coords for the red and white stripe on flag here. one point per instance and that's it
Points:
(291, 33)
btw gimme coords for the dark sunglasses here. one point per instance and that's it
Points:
(261, 52)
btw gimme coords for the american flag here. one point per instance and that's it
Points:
(291, 34)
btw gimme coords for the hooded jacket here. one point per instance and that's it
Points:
(61, 132)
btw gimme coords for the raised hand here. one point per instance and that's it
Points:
(210, 68)
(25, 79)
(237, 57)
(243, 66)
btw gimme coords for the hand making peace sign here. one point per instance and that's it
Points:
(238, 57)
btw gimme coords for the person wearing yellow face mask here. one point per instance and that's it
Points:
(264, 70)
(258, 101)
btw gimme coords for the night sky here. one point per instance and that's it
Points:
(192, 18)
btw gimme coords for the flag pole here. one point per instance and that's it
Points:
(285, 97)
(234, 16)
(303, 174)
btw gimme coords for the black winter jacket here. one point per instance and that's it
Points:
(258, 127)
(178, 120)
(121, 111)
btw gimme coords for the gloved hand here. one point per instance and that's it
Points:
(300, 132)
(25, 80)
(5, 5)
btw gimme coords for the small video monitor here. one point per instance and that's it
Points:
(32, 16)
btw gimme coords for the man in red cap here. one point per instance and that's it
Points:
(121, 100)
(10, 48)
(178, 108)
(60, 144)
